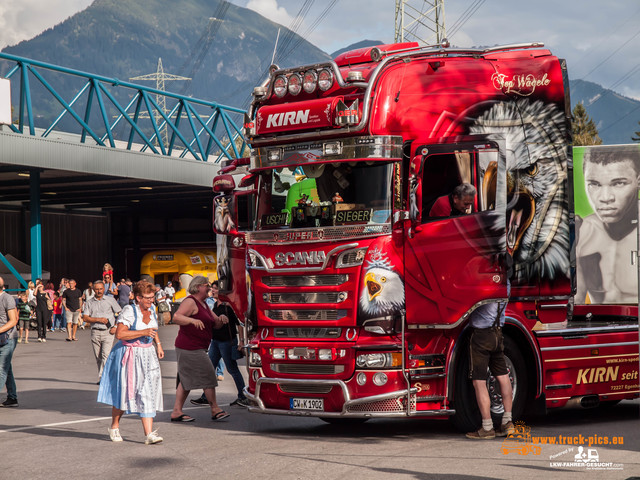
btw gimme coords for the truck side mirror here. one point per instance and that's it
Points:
(223, 184)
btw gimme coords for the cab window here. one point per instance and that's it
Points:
(442, 173)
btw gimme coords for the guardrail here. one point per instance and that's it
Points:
(208, 129)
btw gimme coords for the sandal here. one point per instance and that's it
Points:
(183, 418)
(220, 415)
(75, 339)
(68, 339)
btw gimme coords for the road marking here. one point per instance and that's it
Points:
(72, 422)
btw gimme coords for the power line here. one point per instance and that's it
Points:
(605, 41)
(620, 119)
(466, 15)
(626, 76)
(611, 55)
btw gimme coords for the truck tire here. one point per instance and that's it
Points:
(467, 417)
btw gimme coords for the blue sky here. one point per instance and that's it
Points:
(600, 40)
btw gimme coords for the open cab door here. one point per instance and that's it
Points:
(454, 262)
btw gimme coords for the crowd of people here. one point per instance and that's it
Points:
(124, 320)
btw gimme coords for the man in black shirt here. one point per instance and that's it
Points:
(225, 345)
(72, 301)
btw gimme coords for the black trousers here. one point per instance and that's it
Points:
(43, 316)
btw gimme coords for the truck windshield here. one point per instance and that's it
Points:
(330, 194)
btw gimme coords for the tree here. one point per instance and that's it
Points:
(637, 137)
(583, 128)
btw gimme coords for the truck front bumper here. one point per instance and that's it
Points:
(399, 403)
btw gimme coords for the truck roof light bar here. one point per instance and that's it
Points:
(389, 56)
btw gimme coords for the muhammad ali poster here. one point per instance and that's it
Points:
(606, 207)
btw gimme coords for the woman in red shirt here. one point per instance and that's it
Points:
(195, 370)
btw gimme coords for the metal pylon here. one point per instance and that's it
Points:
(161, 100)
(420, 21)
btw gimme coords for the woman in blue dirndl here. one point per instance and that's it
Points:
(131, 381)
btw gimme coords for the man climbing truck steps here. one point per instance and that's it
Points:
(358, 300)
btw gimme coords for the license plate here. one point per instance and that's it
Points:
(307, 404)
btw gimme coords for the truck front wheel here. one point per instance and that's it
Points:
(467, 417)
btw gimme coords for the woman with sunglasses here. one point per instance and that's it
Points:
(131, 381)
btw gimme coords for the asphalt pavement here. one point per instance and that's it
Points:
(59, 431)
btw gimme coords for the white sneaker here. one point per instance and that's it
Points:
(114, 434)
(152, 438)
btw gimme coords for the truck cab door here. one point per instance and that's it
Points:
(453, 262)
(232, 216)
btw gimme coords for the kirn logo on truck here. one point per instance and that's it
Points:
(287, 118)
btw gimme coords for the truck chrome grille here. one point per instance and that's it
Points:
(305, 314)
(306, 369)
(305, 281)
(301, 297)
(302, 388)
(307, 332)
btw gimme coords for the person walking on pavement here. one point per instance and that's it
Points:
(49, 290)
(8, 341)
(72, 301)
(124, 292)
(131, 380)
(24, 316)
(42, 312)
(110, 288)
(100, 311)
(211, 303)
(224, 344)
(195, 370)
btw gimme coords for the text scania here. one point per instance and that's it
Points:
(287, 118)
(300, 258)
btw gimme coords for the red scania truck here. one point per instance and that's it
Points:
(358, 295)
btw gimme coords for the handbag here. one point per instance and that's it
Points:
(235, 353)
(163, 307)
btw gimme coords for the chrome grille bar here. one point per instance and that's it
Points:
(305, 281)
(306, 369)
(307, 332)
(302, 388)
(302, 297)
(318, 235)
(306, 314)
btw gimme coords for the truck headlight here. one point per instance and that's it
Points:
(254, 359)
(351, 258)
(379, 360)
(277, 353)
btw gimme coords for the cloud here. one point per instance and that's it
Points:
(25, 19)
(270, 9)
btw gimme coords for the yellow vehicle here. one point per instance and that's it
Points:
(178, 267)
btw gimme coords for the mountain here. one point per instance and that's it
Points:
(615, 116)
(226, 49)
(355, 46)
